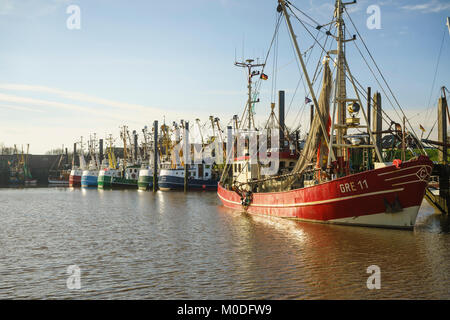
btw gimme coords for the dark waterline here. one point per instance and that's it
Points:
(170, 245)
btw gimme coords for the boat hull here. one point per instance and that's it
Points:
(104, 181)
(89, 181)
(58, 182)
(166, 183)
(145, 182)
(75, 178)
(386, 197)
(121, 183)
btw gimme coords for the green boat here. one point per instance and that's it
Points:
(105, 177)
(127, 179)
(145, 181)
(116, 178)
(107, 173)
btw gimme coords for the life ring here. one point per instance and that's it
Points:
(133, 175)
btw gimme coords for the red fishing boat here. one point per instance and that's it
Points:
(326, 185)
(385, 197)
(75, 177)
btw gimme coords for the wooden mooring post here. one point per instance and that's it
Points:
(186, 151)
(377, 126)
(155, 156)
(442, 169)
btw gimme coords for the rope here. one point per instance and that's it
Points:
(387, 85)
(434, 77)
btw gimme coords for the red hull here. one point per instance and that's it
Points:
(74, 181)
(386, 197)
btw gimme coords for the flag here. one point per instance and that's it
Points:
(264, 76)
(422, 128)
(307, 100)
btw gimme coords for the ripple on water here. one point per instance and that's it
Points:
(140, 245)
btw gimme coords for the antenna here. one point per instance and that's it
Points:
(448, 24)
(248, 64)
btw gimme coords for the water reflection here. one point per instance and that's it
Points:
(172, 245)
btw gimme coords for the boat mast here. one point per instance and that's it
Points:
(341, 94)
(282, 4)
(123, 135)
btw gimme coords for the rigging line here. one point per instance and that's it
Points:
(319, 70)
(297, 62)
(435, 121)
(376, 79)
(435, 74)
(295, 55)
(320, 59)
(277, 28)
(347, 76)
(298, 83)
(275, 67)
(275, 63)
(384, 79)
(290, 4)
(317, 24)
(258, 83)
(303, 107)
(362, 92)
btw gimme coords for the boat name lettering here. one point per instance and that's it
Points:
(352, 186)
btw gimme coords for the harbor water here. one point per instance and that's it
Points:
(171, 245)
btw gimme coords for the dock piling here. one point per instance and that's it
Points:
(185, 154)
(155, 156)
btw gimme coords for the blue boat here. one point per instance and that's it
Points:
(89, 178)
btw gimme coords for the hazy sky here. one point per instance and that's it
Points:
(132, 62)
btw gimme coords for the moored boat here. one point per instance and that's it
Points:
(386, 197)
(20, 173)
(199, 178)
(75, 177)
(145, 180)
(127, 178)
(341, 175)
(89, 177)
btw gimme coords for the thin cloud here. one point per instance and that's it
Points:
(140, 111)
(75, 96)
(20, 108)
(81, 110)
(29, 8)
(432, 6)
(103, 109)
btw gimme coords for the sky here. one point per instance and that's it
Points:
(133, 62)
